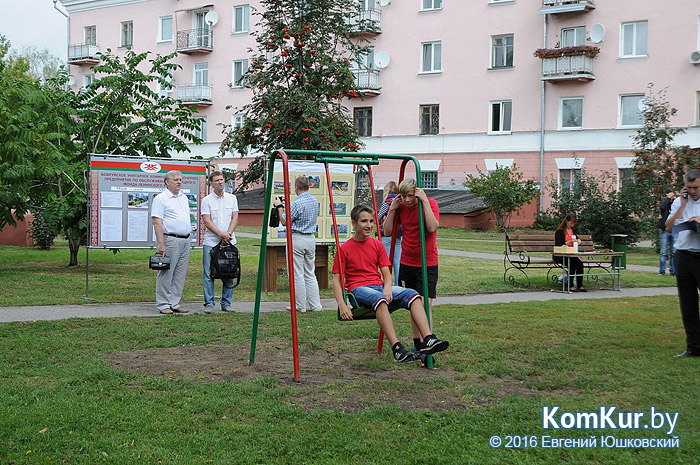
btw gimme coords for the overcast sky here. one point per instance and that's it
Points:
(34, 22)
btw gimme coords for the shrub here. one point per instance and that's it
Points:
(41, 232)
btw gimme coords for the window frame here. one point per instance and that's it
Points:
(237, 120)
(200, 71)
(573, 179)
(560, 118)
(88, 79)
(87, 37)
(201, 132)
(124, 34)
(433, 45)
(433, 127)
(427, 178)
(578, 31)
(365, 119)
(620, 112)
(501, 103)
(244, 70)
(245, 26)
(432, 7)
(160, 39)
(494, 65)
(623, 35)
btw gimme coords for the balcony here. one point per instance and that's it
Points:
(568, 68)
(566, 6)
(195, 41)
(367, 21)
(367, 82)
(84, 54)
(195, 94)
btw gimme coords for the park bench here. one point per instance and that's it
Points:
(519, 259)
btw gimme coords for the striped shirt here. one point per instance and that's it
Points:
(304, 213)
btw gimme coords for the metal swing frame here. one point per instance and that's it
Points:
(326, 157)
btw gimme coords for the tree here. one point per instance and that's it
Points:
(299, 75)
(43, 65)
(503, 190)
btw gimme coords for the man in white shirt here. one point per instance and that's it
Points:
(685, 218)
(171, 221)
(220, 216)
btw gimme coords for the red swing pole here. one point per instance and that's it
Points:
(380, 342)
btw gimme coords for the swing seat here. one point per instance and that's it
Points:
(358, 312)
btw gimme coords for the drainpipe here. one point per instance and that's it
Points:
(67, 34)
(544, 45)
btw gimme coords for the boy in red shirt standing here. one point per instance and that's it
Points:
(367, 276)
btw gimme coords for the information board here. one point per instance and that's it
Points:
(121, 197)
(343, 186)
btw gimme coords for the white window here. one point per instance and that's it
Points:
(571, 113)
(430, 4)
(363, 121)
(366, 60)
(165, 29)
(431, 57)
(237, 121)
(502, 51)
(241, 18)
(633, 39)
(630, 114)
(429, 179)
(201, 74)
(239, 70)
(500, 115)
(573, 36)
(201, 131)
(164, 89)
(127, 34)
(88, 79)
(91, 35)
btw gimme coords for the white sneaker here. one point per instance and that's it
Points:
(208, 309)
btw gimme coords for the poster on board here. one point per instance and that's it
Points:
(121, 197)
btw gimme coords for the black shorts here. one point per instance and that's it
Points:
(411, 277)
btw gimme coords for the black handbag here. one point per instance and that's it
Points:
(158, 262)
(274, 218)
(225, 263)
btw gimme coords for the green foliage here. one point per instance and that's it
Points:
(503, 190)
(299, 75)
(42, 232)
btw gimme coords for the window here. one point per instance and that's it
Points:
(363, 121)
(431, 58)
(430, 4)
(500, 116)
(502, 51)
(429, 119)
(201, 131)
(165, 29)
(91, 35)
(201, 74)
(237, 121)
(88, 79)
(569, 179)
(573, 36)
(164, 89)
(366, 60)
(239, 70)
(127, 37)
(633, 39)
(624, 176)
(429, 179)
(241, 21)
(630, 114)
(571, 113)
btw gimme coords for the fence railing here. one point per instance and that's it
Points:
(195, 39)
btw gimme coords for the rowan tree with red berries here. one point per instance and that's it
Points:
(300, 75)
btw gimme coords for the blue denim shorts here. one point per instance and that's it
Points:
(372, 296)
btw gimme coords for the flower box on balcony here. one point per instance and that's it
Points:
(585, 50)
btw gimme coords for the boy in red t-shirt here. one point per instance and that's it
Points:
(367, 276)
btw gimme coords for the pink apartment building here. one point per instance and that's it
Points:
(453, 82)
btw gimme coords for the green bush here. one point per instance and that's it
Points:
(41, 232)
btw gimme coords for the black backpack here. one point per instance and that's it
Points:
(225, 263)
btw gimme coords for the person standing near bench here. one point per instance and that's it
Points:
(685, 215)
(567, 235)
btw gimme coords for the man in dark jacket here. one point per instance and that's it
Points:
(666, 239)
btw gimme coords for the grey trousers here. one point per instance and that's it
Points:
(305, 283)
(170, 283)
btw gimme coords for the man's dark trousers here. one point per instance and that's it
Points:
(688, 282)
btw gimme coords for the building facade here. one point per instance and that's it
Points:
(453, 82)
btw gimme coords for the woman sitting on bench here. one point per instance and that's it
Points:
(567, 235)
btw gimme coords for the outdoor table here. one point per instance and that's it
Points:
(613, 271)
(276, 258)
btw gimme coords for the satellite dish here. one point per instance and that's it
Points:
(382, 59)
(644, 104)
(384, 2)
(71, 80)
(211, 18)
(597, 33)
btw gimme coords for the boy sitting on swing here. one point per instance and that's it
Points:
(366, 272)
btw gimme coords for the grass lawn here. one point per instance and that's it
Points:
(34, 277)
(89, 391)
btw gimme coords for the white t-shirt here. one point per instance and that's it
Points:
(687, 240)
(174, 210)
(220, 209)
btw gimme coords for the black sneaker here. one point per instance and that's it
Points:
(432, 344)
(401, 354)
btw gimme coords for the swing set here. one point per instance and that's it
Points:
(326, 158)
